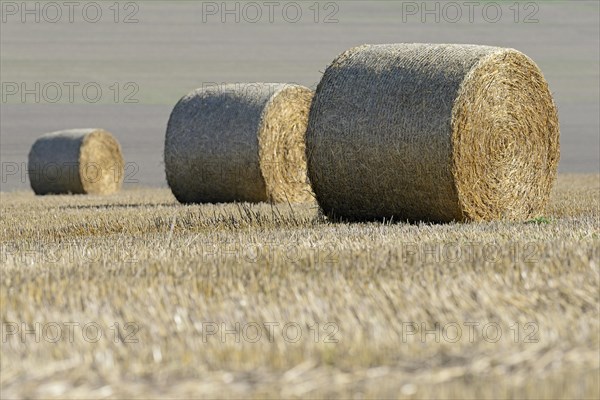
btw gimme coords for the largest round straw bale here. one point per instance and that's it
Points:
(432, 132)
(239, 142)
(78, 161)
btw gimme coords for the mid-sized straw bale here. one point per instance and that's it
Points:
(239, 142)
(77, 161)
(433, 132)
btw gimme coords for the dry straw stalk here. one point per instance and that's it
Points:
(239, 142)
(435, 132)
(77, 161)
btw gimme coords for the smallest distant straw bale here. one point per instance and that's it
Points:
(77, 161)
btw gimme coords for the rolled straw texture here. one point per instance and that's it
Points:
(239, 142)
(76, 161)
(433, 132)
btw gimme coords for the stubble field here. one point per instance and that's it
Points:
(137, 295)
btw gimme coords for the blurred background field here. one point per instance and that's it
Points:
(171, 50)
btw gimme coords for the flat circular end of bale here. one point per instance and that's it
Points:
(282, 145)
(101, 164)
(505, 139)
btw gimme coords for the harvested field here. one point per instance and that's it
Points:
(321, 309)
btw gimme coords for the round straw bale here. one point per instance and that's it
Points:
(78, 161)
(434, 132)
(239, 142)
